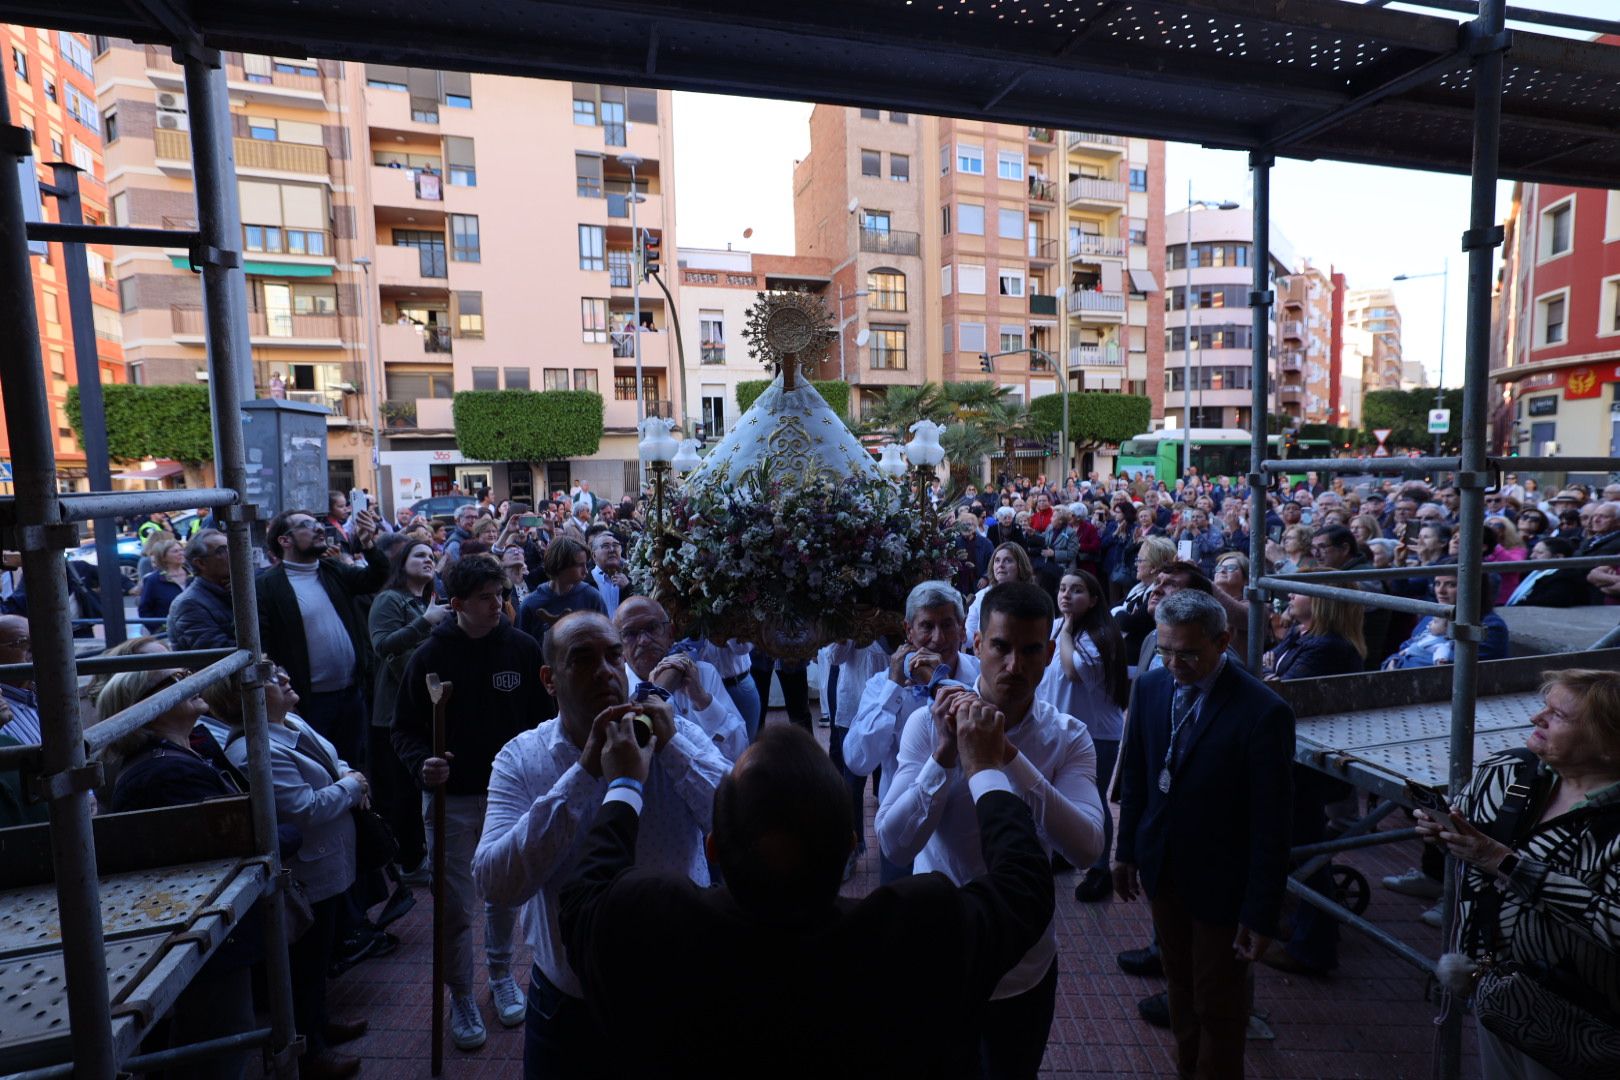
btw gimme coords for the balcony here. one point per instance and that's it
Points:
(655, 347)
(621, 413)
(302, 331)
(1042, 305)
(331, 399)
(1043, 191)
(713, 353)
(1293, 328)
(1086, 244)
(1093, 138)
(1096, 302)
(411, 267)
(272, 85)
(413, 189)
(1042, 251)
(1042, 140)
(889, 242)
(1096, 356)
(1291, 394)
(172, 150)
(1089, 191)
(1291, 361)
(434, 414)
(399, 415)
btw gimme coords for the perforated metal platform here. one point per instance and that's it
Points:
(33, 995)
(1389, 745)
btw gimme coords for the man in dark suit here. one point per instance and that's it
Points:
(308, 623)
(800, 981)
(1205, 797)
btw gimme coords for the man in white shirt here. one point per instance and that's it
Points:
(544, 791)
(607, 569)
(933, 642)
(927, 815)
(695, 688)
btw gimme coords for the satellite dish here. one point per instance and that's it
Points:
(853, 203)
(747, 233)
(862, 338)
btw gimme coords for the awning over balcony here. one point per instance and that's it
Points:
(1142, 281)
(268, 269)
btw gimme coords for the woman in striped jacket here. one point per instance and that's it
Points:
(1554, 884)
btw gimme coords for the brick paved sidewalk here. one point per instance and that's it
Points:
(1368, 1020)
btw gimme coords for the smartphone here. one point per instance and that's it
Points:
(531, 521)
(334, 536)
(1184, 550)
(1428, 798)
(360, 501)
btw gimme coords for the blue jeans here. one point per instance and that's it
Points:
(745, 695)
(559, 1037)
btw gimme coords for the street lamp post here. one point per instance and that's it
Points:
(1186, 342)
(843, 375)
(1444, 274)
(630, 161)
(374, 376)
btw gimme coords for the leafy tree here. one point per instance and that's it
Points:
(903, 406)
(966, 447)
(974, 398)
(1095, 419)
(1406, 414)
(173, 422)
(1007, 422)
(527, 425)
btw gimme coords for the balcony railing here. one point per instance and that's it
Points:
(1042, 135)
(1043, 250)
(1293, 329)
(1084, 300)
(399, 414)
(1088, 189)
(1043, 190)
(1042, 305)
(187, 321)
(170, 145)
(436, 339)
(332, 399)
(1085, 244)
(888, 359)
(1095, 356)
(1077, 138)
(713, 353)
(889, 242)
(1291, 361)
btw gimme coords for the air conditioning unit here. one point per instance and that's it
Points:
(172, 101)
(171, 121)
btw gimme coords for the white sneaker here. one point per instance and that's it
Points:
(1413, 883)
(509, 1004)
(1433, 917)
(466, 1023)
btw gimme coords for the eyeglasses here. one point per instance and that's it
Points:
(1186, 656)
(638, 633)
(164, 683)
(1229, 568)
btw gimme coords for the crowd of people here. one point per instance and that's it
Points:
(612, 795)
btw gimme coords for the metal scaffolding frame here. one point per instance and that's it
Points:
(40, 523)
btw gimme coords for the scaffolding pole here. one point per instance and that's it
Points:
(40, 535)
(1260, 300)
(219, 226)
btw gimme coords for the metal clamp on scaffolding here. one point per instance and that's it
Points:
(60, 785)
(200, 255)
(57, 537)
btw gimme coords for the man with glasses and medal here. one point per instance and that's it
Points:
(1205, 797)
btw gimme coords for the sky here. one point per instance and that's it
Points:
(1369, 223)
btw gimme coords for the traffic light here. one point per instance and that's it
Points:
(1290, 443)
(650, 244)
(984, 363)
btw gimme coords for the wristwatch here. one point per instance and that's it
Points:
(1509, 863)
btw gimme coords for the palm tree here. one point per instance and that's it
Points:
(973, 398)
(1006, 422)
(966, 447)
(903, 406)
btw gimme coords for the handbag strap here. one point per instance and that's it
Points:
(1485, 927)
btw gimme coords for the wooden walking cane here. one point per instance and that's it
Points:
(440, 693)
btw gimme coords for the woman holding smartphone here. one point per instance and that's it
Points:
(402, 616)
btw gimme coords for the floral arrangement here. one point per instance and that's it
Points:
(790, 566)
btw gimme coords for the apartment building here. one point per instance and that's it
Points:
(296, 181)
(51, 89)
(1375, 311)
(1307, 367)
(1557, 355)
(1209, 322)
(499, 215)
(861, 202)
(717, 289)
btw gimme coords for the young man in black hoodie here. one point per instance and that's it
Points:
(496, 672)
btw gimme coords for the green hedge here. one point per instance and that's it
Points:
(1406, 413)
(173, 422)
(527, 425)
(1094, 417)
(834, 391)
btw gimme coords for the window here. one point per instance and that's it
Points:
(1552, 319)
(1138, 179)
(624, 387)
(75, 52)
(970, 219)
(972, 337)
(517, 378)
(712, 335)
(464, 238)
(870, 114)
(486, 378)
(899, 118)
(83, 109)
(585, 379)
(1557, 225)
(613, 123)
(585, 112)
(1010, 165)
(642, 106)
(1010, 224)
(50, 89)
(900, 168)
(593, 320)
(470, 314)
(1224, 336)
(1137, 231)
(458, 154)
(588, 176)
(1207, 254)
(56, 146)
(714, 413)
(109, 125)
(970, 159)
(1012, 340)
(592, 241)
(314, 299)
(553, 378)
(946, 341)
(1011, 282)
(886, 290)
(945, 220)
(264, 130)
(945, 280)
(1609, 319)
(876, 221)
(888, 348)
(970, 280)
(871, 163)
(945, 159)
(19, 63)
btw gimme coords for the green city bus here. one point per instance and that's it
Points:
(1215, 452)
